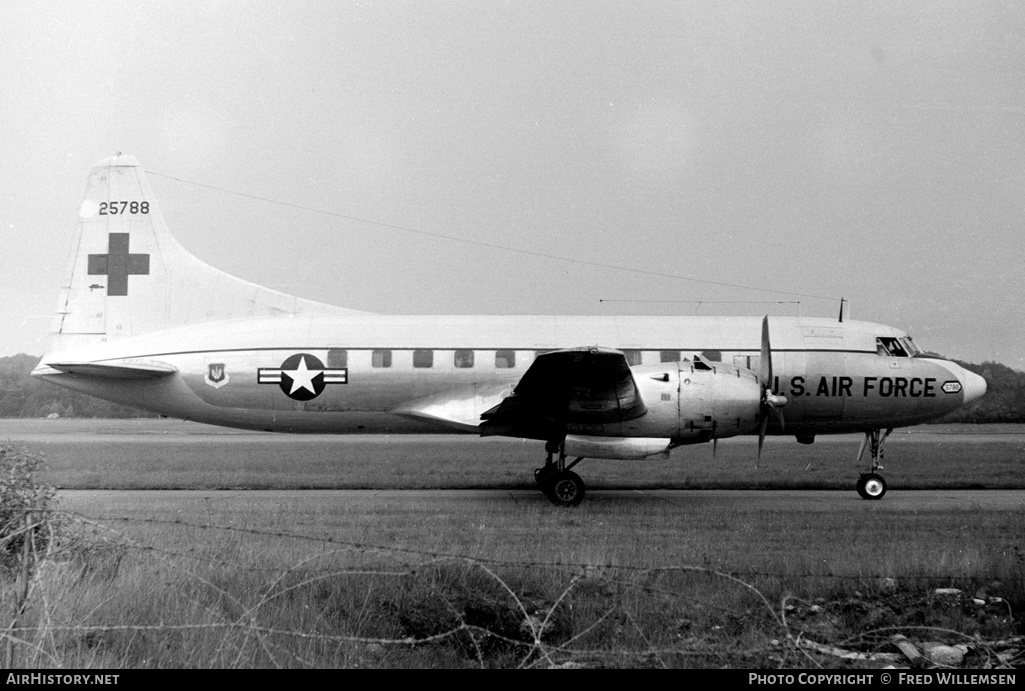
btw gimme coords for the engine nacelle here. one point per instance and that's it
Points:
(691, 402)
(724, 398)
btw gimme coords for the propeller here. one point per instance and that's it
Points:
(771, 403)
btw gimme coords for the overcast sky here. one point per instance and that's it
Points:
(866, 150)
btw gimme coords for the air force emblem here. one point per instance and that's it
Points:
(216, 375)
(302, 376)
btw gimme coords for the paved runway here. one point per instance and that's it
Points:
(943, 533)
(909, 501)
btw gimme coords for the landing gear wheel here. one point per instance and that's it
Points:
(565, 489)
(871, 486)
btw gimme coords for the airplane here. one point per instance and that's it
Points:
(140, 321)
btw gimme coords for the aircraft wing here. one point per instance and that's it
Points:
(580, 385)
(127, 369)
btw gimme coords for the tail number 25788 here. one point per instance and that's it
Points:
(115, 208)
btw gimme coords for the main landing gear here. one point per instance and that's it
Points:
(557, 481)
(871, 484)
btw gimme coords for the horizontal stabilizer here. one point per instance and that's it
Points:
(129, 369)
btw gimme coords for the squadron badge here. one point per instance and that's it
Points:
(302, 376)
(216, 375)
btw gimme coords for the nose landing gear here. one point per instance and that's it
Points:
(556, 479)
(871, 484)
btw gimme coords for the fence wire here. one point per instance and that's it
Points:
(98, 596)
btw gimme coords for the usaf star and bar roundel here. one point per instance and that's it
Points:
(302, 376)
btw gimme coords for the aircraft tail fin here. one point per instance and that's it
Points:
(128, 275)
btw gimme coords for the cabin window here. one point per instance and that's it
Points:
(423, 358)
(712, 355)
(337, 358)
(381, 358)
(463, 359)
(633, 357)
(669, 356)
(505, 359)
(751, 362)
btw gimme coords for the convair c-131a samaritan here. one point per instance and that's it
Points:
(142, 322)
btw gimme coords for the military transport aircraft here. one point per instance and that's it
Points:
(142, 322)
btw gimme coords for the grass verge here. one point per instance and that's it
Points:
(236, 581)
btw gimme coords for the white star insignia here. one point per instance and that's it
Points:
(302, 378)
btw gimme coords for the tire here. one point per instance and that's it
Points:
(565, 489)
(871, 486)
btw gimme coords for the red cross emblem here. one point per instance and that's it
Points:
(117, 265)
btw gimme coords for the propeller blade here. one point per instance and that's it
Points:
(771, 402)
(765, 363)
(763, 426)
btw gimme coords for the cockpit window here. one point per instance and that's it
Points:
(891, 347)
(909, 345)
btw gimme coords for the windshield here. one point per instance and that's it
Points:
(888, 346)
(909, 345)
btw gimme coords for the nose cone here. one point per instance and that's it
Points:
(974, 386)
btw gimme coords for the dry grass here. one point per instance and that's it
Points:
(250, 580)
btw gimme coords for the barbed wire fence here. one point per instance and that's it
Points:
(84, 593)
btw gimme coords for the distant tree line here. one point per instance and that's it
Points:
(23, 396)
(1004, 400)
